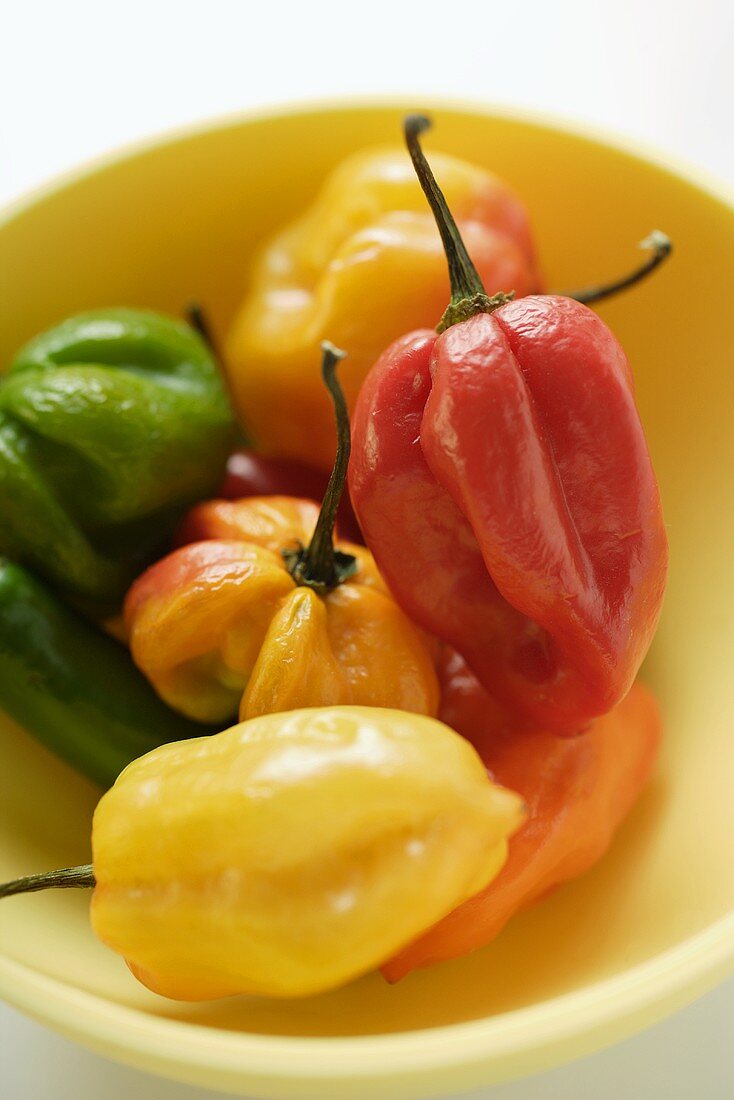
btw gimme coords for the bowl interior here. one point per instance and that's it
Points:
(176, 222)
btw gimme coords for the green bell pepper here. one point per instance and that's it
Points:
(73, 687)
(111, 425)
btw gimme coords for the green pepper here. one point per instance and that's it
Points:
(111, 425)
(73, 687)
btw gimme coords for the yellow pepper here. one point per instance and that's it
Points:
(250, 618)
(364, 265)
(289, 854)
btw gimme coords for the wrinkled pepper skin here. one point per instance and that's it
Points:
(73, 688)
(250, 474)
(272, 522)
(221, 623)
(292, 853)
(361, 266)
(111, 424)
(578, 792)
(501, 479)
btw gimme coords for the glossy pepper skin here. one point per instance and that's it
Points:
(502, 480)
(73, 688)
(362, 265)
(222, 623)
(292, 853)
(578, 792)
(111, 424)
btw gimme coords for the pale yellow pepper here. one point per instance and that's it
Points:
(294, 852)
(362, 266)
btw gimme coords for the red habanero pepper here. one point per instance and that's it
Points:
(502, 481)
(578, 791)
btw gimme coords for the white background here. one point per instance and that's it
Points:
(77, 79)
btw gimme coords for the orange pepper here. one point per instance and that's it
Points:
(362, 265)
(267, 615)
(577, 790)
(222, 623)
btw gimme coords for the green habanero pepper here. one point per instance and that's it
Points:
(111, 425)
(76, 689)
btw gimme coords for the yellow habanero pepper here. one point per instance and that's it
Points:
(289, 854)
(365, 265)
(251, 618)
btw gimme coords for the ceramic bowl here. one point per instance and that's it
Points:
(653, 925)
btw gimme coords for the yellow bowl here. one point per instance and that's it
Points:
(653, 925)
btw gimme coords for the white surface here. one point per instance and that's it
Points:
(77, 79)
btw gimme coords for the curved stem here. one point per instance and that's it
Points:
(660, 247)
(319, 565)
(468, 295)
(198, 319)
(67, 879)
(465, 280)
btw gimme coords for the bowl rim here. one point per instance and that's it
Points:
(572, 1023)
(672, 164)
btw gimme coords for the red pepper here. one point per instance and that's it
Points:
(501, 478)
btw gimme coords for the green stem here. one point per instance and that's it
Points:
(659, 245)
(67, 879)
(319, 565)
(468, 295)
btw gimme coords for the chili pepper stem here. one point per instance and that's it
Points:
(468, 295)
(199, 322)
(67, 879)
(658, 244)
(319, 565)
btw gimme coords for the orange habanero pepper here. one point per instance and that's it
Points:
(254, 617)
(578, 791)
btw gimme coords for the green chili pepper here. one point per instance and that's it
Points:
(111, 424)
(74, 688)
